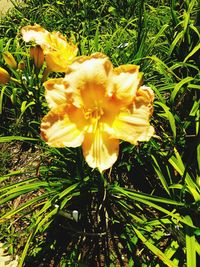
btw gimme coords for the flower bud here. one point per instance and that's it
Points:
(9, 59)
(4, 76)
(21, 65)
(37, 54)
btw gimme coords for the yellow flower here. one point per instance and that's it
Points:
(9, 59)
(4, 76)
(58, 52)
(95, 105)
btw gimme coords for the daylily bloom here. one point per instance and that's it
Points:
(58, 52)
(95, 105)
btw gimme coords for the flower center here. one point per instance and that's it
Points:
(93, 114)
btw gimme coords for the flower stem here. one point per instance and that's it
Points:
(15, 81)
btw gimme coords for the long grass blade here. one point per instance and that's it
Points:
(4, 139)
(154, 249)
(190, 245)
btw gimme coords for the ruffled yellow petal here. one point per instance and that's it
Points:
(54, 59)
(126, 81)
(58, 52)
(57, 92)
(63, 126)
(34, 33)
(145, 96)
(100, 150)
(90, 78)
(132, 124)
(59, 59)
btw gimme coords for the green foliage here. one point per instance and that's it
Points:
(145, 210)
(21, 101)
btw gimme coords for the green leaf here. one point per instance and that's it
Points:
(24, 107)
(177, 39)
(190, 245)
(111, 9)
(149, 200)
(160, 174)
(178, 86)
(198, 156)
(169, 116)
(178, 165)
(171, 250)
(1, 99)
(96, 39)
(154, 249)
(13, 97)
(195, 108)
(60, 3)
(194, 50)
(29, 203)
(4, 139)
(157, 36)
(194, 86)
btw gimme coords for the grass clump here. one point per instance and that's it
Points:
(144, 211)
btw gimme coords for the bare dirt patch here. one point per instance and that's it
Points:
(7, 260)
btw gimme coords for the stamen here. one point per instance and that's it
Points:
(93, 113)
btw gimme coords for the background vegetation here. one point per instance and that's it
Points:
(145, 210)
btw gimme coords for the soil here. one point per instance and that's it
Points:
(7, 260)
